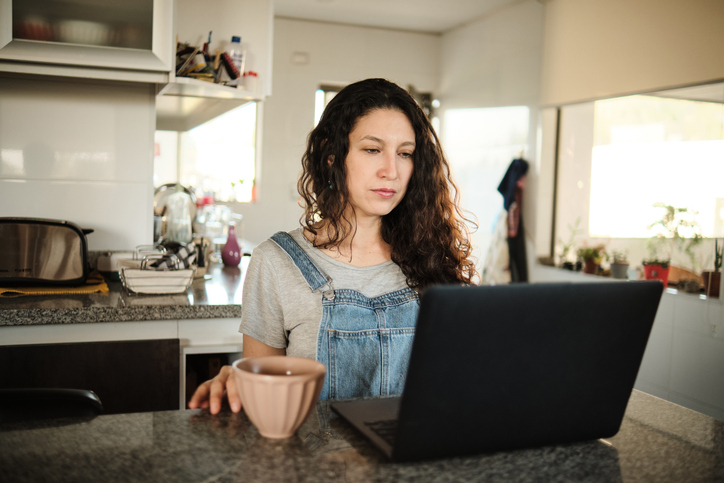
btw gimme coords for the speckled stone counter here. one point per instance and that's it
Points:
(658, 442)
(217, 295)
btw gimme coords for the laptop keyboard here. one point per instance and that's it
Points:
(384, 429)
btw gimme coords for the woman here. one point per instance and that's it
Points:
(381, 223)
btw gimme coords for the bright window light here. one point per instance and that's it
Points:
(219, 156)
(650, 149)
(322, 96)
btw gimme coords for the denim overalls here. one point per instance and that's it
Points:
(364, 342)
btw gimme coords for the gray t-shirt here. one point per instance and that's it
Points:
(279, 308)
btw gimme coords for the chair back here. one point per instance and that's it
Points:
(31, 404)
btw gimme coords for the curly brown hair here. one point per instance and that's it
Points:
(427, 231)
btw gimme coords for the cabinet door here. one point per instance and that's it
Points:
(127, 376)
(128, 35)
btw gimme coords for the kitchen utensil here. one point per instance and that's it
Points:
(161, 194)
(178, 217)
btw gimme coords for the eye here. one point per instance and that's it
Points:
(406, 155)
(372, 150)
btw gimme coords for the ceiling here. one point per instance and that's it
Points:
(431, 16)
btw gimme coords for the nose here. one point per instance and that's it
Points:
(388, 168)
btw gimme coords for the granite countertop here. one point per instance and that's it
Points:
(658, 441)
(217, 295)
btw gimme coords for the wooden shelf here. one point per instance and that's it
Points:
(186, 103)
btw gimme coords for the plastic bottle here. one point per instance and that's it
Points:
(237, 57)
(251, 80)
(178, 217)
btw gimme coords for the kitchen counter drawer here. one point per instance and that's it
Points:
(128, 376)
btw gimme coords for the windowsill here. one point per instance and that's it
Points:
(545, 273)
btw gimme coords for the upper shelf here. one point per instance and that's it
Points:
(185, 103)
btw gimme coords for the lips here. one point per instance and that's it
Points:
(385, 192)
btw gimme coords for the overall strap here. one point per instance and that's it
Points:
(311, 273)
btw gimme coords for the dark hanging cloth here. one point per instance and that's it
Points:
(511, 187)
(517, 169)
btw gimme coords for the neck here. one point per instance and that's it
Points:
(362, 247)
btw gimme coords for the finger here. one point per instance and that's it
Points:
(217, 389)
(232, 394)
(200, 397)
(201, 405)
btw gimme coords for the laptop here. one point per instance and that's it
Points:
(503, 367)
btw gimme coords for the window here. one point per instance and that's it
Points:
(322, 96)
(215, 158)
(619, 158)
(672, 150)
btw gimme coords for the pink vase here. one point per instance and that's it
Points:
(231, 253)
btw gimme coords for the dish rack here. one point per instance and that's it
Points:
(138, 276)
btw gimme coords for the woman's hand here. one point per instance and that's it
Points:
(210, 394)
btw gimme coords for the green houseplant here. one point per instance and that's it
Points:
(712, 280)
(567, 246)
(676, 229)
(592, 257)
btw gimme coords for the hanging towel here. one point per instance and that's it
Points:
(511, 187)
(507, 187)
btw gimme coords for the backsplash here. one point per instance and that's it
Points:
(79, 151)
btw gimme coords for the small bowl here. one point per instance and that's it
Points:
(278, 392)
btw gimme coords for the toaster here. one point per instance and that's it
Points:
(42, 252)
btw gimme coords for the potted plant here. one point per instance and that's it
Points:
(592, 257)
(712, 279)
(567, 246)
(619, 265)
(655, 269)
(678, 229)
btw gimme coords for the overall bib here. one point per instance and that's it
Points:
(364, 342)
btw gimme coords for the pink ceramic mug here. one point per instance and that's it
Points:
(278, 392)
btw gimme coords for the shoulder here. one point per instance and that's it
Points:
(270, 247)
(269, 254)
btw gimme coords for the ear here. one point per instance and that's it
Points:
(330, 161)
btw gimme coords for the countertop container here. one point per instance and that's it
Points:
(139, 277)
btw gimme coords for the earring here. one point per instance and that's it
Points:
(331, 185)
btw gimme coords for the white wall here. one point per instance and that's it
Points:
(337, 54)
(81, 152)
(496, 62)
(605, 48)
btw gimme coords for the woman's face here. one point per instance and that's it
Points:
(379, 163)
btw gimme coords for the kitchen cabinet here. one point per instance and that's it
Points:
(134, 41)
(128, 41)
(128, 376)
(185, 103)
(184, 346)
(201, 363)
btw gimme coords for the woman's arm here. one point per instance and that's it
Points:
(210, 394)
